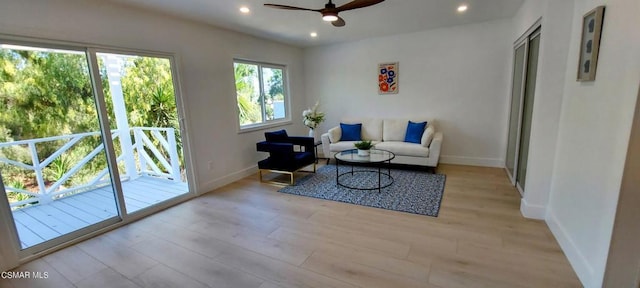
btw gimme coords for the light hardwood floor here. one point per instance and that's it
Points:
(248, 235)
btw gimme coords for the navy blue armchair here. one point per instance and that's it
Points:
(287, 154)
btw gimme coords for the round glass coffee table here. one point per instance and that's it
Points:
(377, 158)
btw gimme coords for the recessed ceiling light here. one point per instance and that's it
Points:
(313, 34)
(244, 9)
(462, 8)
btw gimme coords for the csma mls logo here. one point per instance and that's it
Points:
(24, 275)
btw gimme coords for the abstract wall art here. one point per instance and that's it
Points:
(388, 78)
(590, 44)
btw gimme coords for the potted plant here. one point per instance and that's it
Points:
(363, 147)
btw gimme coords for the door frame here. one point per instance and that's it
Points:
(9, 243)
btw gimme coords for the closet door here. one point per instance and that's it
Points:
(525, 67)
(529, 92)
(514, 117)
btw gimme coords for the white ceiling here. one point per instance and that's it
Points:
(293, 27)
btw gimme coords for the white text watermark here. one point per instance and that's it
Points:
(24, 275)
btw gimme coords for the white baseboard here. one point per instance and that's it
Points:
(532, 211)
(580, 265)
(472, 161)
(227, 179)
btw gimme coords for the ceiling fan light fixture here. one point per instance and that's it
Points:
(330, 11)
(330, 16)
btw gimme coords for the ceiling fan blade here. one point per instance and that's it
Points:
(358, 4)
(286, 7)
(338, 23)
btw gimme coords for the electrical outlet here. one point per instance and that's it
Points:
(210, 165)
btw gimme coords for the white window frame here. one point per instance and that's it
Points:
(287, 97)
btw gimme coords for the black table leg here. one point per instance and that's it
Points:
(316, 152)
(379, 180)
(337, 175)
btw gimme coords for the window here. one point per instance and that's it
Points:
(261, 93)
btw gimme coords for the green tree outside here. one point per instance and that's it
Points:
(49, 93)
(248, 94)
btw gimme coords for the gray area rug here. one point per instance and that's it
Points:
(412, 191)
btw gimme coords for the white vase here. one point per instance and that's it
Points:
(363, 153)
(314, 134)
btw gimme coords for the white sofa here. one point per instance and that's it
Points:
(389, 134)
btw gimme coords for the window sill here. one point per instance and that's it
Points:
(258, 127)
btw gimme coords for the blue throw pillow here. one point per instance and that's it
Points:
(414, 132)
(276, 136)
(351, 132)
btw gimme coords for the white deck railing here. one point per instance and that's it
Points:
(145, 164)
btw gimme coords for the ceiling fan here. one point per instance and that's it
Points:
(330, 11)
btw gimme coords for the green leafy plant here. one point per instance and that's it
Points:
(17, 196)
(363, 145)
(60, 166)
(57, 168)
(16, 184)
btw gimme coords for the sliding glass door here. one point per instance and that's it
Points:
(86, 138)
(142, 109)
(52, 153)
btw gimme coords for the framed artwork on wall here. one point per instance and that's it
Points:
(590, 44)
(388, 78)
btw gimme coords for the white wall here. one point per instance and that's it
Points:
(457, 75)
(554, 50)
(205, 55)
(530, 11)
(592, 142)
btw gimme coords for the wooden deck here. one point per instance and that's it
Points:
(44, 222)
